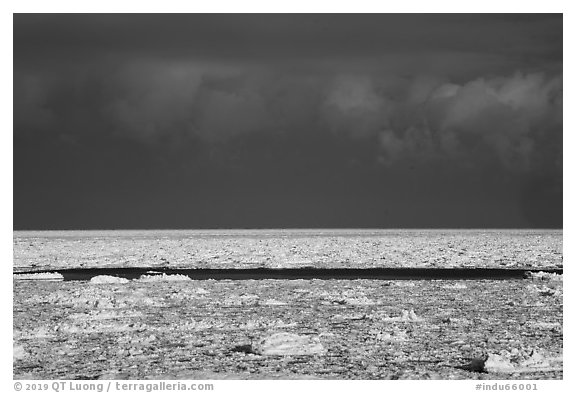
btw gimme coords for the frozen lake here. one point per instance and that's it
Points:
(322, 248)
(168, 326)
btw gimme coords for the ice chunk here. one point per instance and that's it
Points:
(498, 364)
(544, 276)
(407, 316)
(454, 286)
(289, 344)
(164, 277)
(39, 276)
(108, 280)
(18, 352)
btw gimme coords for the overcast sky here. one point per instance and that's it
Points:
(275, 121)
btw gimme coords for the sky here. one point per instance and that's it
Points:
(165, 121)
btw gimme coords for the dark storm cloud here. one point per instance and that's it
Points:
(296, 120)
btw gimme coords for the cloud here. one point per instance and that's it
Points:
(369, 108)
(500, 120)
(444, 87)
(353, 106)
(482, 122)
(148, 101)
(499, 117)
(223, 114)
